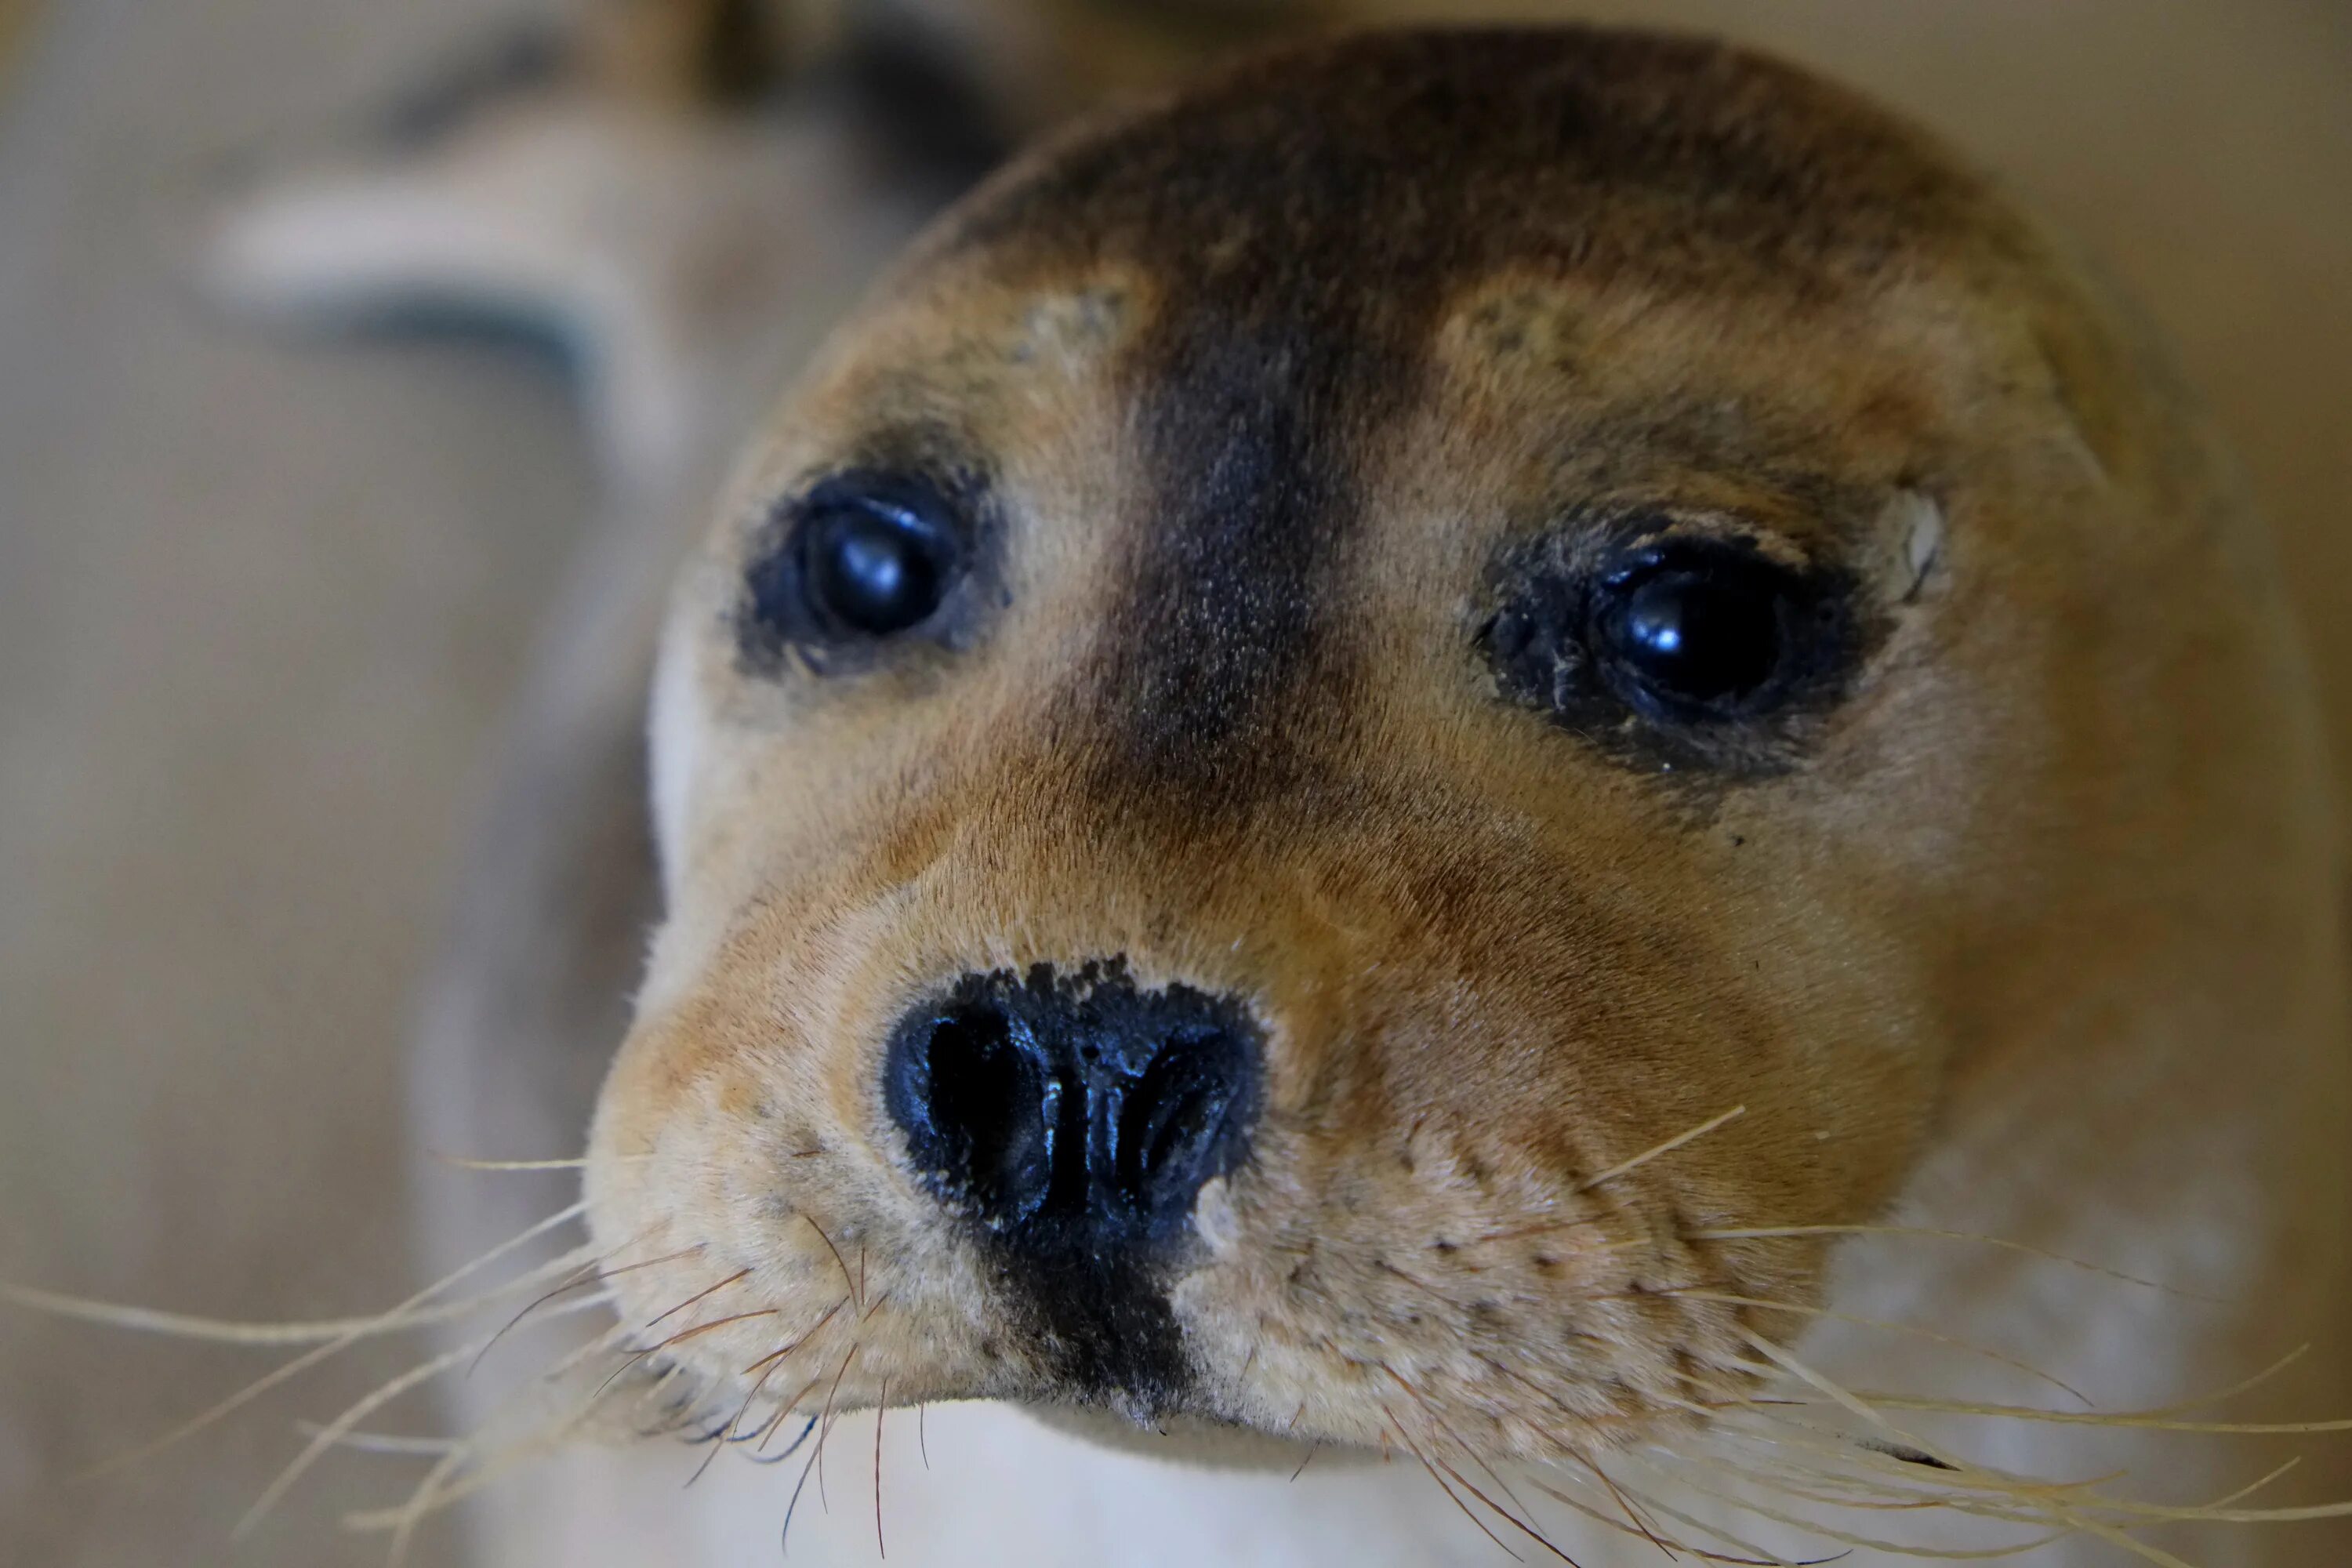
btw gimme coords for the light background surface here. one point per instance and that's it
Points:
(260, 604)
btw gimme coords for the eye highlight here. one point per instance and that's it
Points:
(860, 560)
(1699, 631)
(872, 566)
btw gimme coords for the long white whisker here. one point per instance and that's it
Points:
(1668, 1147)
(333, 1433)
(1859, 1407)
(311, 1358)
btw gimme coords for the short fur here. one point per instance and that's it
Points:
(1584, 1047)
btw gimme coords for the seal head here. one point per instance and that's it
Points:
(1380, 724)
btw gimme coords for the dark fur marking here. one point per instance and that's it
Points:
(1676, 160)
(1105, 1330)
(1250, 511)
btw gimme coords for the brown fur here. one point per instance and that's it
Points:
(1261, 382)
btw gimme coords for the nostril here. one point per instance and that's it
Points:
(1076, 1114)
(981, 1109)
(1180, 1123)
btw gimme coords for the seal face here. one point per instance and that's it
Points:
(1333, 771)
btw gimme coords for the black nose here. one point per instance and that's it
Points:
(1073, 1112)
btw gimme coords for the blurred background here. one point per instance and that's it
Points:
(262, 603)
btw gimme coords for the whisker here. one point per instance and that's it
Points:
(1522, 1526)
(421, 1503)
(311, 1358)
(789, 1449)
(784, 1535)
(825, 1422)
(1862, 1408)
(1896, 1476)
(1920, 1473)
(808, 1334)
(776, 1421)
(1500, 1485)
(1768, 1232)
(1763, 1304)
(681, 1409)
(384, 1442)
(235, 1332)
(1868, 1544)
(701, 1329)
(2103, 1418)
(2250, 1489)
(1790, 1480)
(591, 1272)
(2020, 1503)
(1456, 1501)
(1759, 1560)
(772, 1361)
(1668, 1147)
(629, 1360)
(496, 1464)
(1756, 1556)
(881, 1408)
(1631, 1517)
(333, 1433)
(856, 1293)
(740, 1274)
(461, 1163)
(719, 1436)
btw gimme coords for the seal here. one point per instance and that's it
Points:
(1531, 753)
(1456, 748)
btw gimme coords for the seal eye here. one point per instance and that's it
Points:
(860, 559)
(873, 566)
(1675, 650)
(1697, 630)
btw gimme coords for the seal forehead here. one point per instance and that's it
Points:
(1380, 172)
(1306, 226)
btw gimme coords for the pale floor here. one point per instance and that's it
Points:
(260, 604)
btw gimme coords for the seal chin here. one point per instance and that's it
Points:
(1193, 1440)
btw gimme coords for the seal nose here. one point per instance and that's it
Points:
(1073, 1112)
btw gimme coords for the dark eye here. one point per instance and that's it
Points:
(859, 560)
(1673, 650)
(873, 567)
(1698, 630)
